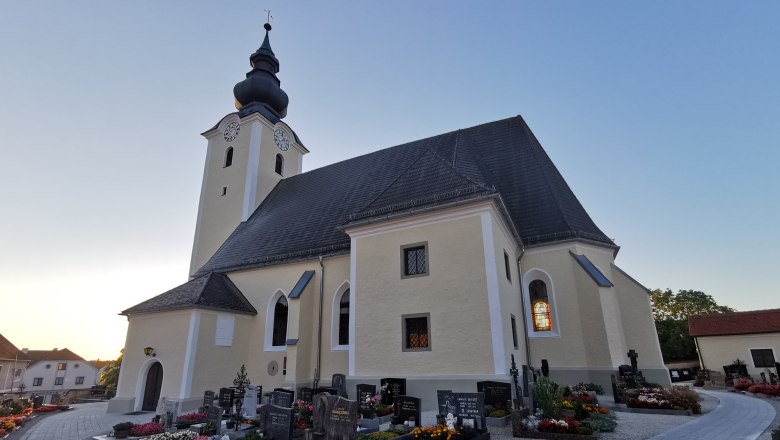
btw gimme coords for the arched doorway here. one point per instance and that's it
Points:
(153, 386)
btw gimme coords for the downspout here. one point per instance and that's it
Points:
(319, 328)
(522, 308)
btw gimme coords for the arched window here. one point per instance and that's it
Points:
(228, 157)
(280, 323)
(279, 164)
(540, 306)
(344, 319)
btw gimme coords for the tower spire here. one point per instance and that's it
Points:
(261, 89)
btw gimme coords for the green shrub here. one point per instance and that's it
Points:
(498, 413)
(600, 422)
(386, 435)
(253, 435)
(124, 426)
(550, 397)
(584, 430)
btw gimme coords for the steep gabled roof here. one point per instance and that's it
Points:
(9, 350)
(303, 216)
(212, 291)
(53, 355)
(738, 323)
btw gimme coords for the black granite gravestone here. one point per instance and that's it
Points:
(339, 382)
(447, 403)
(306, 394)
(226, 398)
(364, 394)
(342, 416)
(284, 390)
(407, 408)
(471, 406)
(279, 422)
(215, 417)
(281, 399)
(329, 390)
(208, 399)
(497, 394)
(392, 387)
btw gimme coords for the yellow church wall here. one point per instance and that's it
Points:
(259, 286)
(509, 291)
(591, 314)
(568, 347)
(167, 333)
(216, 366)
(717, 351)
(453, 292)
(639, 326)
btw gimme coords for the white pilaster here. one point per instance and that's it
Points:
(352, 301)
(252, 170)
(189, 355)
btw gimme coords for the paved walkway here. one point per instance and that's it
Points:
(84, 421)
(737, 417)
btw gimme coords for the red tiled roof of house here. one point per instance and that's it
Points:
(738, 323)
(9, 350)
(53, 355)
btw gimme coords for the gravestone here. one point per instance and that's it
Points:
(335, 418)
(282, 399)
(279, 422)
(615, 392)
(307, 394)
(633, 355)
(215, 417)
(364, 394)
(471, 406)
(250, 403)
(763, 377)
(339, 382)
(208, 399)
(407, 408)
(226, 398)
(170, 412)
(497, 394)
(545, 368)
(283, 390)
(447, 403)
(390, 388)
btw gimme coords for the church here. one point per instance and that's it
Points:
(434, 261)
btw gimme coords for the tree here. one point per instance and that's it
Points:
(671, 312)
(109, 377)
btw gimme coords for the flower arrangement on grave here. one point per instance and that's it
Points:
(765, 388)
(192, 418)
(303, 414)
(649, 398)
(499, 410)
(566, 425)
(178, 435)
(372, 401)
(145, 429)
(383, 409)
(550, 397)
(743, 383)
(441, 432)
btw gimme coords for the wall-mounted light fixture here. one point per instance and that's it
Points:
(149, 351)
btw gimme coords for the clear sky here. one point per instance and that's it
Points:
(662, 116)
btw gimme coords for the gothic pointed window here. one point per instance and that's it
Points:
(279, 164)
(228, 157)
(540, 306)
(344, 319)
(280, 323)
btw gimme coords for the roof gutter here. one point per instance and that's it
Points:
(522, 309)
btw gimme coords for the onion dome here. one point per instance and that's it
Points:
(261, 86)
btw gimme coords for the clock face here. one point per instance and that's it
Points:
(281, 140)
(231, 132)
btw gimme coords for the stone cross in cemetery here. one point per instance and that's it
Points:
(391, 387)
(282, 397)
(364, 394)
(514, 372)
(334, 418)
(339, 382)
(407, 409)
(633, 355)
(279, 422)
(497, 394)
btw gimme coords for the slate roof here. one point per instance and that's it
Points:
(303, 217)
(738, 323)
(212, 291)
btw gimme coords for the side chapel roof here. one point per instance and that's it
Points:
(304, 216)
(212, 291)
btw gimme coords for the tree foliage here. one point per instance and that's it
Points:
(109, 377)
(671, 312)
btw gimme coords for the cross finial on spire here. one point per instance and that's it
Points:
(268, 13)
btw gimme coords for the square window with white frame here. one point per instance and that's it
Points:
(763, 357)
(414, 260)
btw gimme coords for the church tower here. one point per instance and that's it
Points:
(248, 153)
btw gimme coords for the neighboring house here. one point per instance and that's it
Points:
(13, 364)
(435, 261)
(752, 337)
(58, 371)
